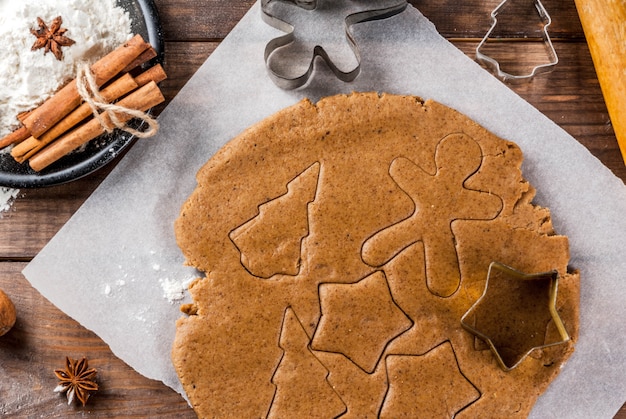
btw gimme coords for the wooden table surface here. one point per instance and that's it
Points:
(192, 29)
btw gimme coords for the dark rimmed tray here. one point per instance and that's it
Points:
(98, 152)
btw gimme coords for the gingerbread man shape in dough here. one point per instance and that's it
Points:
(439, 200)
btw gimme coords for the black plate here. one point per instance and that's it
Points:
(98, 152)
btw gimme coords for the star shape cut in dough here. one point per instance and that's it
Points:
(513, 313)
(359, 320)
(443, 396)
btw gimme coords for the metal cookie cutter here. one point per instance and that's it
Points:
(494, 65)
(350, 12)
(514, 313)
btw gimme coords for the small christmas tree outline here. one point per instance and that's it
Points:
(270, 242)
(300, 378)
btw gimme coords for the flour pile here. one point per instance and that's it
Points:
(28, 77)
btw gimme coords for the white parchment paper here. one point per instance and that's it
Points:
(107, 266)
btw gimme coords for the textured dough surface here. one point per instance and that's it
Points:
(342, 243)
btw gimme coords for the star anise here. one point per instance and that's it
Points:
(52, 38)
(76, 380)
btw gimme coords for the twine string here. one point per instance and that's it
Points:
(90, 93)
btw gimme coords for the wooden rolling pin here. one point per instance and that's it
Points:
(604, 23)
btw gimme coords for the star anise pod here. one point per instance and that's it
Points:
(77, 380)
(52, 38)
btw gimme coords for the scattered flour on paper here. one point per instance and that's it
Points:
(173, 289)
(28, 77)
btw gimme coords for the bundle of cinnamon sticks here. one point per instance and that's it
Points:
(64, 122)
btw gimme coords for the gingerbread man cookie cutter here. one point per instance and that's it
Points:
(275, 13)
(494, 65)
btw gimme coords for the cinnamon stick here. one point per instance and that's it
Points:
(154, 73)
(32, 145)
(114, 91)
(15, 137)
(144, 57)
(67, 99)
(23, 115)
(142, 99)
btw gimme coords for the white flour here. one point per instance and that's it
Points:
(173, 289)
(7, 196)
(28, 77)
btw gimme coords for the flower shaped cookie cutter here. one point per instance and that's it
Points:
(494, 65)
(290, 58)
(516, 313)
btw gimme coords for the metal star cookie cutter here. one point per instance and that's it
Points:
(552, 277)
(494, 65)
(378, 9)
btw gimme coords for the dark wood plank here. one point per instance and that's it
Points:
(213, 19)
(37, 214)
(184, 20)
(472, 19)
(38, 344)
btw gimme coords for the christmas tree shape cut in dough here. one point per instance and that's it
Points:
(426, 386)
(359, 320)
(439, 200)
(270, 243)
(302, 388)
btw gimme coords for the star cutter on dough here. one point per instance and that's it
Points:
(494, 65)
(551, 277)
(356, 12)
